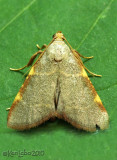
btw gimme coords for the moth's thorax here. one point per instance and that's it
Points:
(58, 51)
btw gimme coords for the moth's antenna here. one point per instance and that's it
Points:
(68, 43)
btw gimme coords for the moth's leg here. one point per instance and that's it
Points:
(44, 46)
(78, 57)
(93, 74)
(83, 56)
(7, 109)
(77, 51)
(29, 63)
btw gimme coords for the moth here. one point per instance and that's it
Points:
(57, 86)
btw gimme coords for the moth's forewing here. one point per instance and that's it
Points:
(34, 102)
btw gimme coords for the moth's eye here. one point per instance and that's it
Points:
(53, 36)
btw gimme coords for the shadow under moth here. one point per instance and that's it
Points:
(57, 86)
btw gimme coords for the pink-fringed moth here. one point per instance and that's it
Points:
(57, 86)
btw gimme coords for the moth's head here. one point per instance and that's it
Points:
(58, 35)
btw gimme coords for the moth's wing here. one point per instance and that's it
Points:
(79, 103)
(34, 102)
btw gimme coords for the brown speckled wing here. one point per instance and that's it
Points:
(79, 103)
(34, 102)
